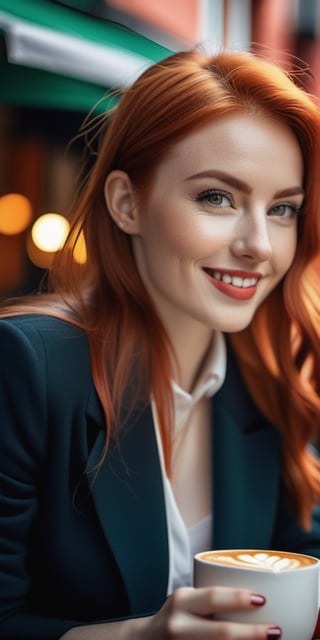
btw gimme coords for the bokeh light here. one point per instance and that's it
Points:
(80, 251)
(49, 232)
(39, 258)
(47, 236)
(15, 213)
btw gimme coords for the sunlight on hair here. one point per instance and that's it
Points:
(15, 213)
(50, 231)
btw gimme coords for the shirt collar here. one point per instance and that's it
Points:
(210, 380)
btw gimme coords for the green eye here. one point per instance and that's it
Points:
(284, 210)
(216, 198)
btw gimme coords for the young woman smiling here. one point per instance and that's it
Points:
(162, 399)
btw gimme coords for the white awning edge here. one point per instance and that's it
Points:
(43, 48)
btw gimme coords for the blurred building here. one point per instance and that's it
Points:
(59, 58)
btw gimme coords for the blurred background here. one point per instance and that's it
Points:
(58, 59)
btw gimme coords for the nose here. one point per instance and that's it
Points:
(252, 240)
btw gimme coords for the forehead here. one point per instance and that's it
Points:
(242, 143)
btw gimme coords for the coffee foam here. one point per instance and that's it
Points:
(273, 561)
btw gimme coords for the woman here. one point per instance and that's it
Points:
(162, 399)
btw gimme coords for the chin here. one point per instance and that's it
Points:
(233, 327)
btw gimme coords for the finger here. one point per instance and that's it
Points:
(205, 601)
(237, 631)
(189, 627)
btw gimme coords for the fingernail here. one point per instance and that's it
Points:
(257, 600)
(274, 632)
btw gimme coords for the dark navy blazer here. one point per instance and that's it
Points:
(76, 547)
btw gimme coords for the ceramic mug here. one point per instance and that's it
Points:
(289, 582)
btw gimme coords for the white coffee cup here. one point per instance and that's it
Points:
(289, 582)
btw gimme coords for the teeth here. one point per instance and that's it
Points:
(249, 282)
(236, 281)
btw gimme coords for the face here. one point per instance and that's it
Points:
(219, 228)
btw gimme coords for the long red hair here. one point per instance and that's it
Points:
(279, 353)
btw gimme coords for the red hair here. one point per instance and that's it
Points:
(279, 353)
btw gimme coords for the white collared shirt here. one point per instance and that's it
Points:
(185, 542)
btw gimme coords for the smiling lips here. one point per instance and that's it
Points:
(236, 284)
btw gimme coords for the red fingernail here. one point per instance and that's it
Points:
(274, 632)
(257, 600)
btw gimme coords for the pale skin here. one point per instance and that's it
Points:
(225, 200)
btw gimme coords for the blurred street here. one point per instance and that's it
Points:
(60, 60)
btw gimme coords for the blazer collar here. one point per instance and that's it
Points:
(246, 452)
(129, 500)
(237, 401)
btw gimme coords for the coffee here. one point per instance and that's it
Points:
(274, 561)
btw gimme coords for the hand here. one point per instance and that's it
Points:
(189, 615)
(186, 615)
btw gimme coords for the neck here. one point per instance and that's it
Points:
(190, 348)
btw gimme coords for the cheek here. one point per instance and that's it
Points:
(196, 235)
(169, 234)
(285, 251)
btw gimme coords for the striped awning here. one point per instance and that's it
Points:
(55, 56)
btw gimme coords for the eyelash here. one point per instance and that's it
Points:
(204, 196)
(295, 210)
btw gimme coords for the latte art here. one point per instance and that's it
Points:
(260, 560)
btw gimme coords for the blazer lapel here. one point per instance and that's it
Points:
(128, 493)
(246, 454)
(129, 500)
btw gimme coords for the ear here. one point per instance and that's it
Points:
(121, 202)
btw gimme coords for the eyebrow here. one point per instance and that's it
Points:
(232, 181)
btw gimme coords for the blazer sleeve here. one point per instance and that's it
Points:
(23, 427)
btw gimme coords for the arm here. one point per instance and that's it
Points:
(22, 457)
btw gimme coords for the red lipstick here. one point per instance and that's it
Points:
(234, 291)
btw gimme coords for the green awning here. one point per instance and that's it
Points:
(54, 56)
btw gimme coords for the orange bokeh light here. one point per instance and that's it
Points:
(15, 213)
(80, 250)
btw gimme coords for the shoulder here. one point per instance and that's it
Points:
(40, 329)
(31, 323)
(45, 346)
(45, 390)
